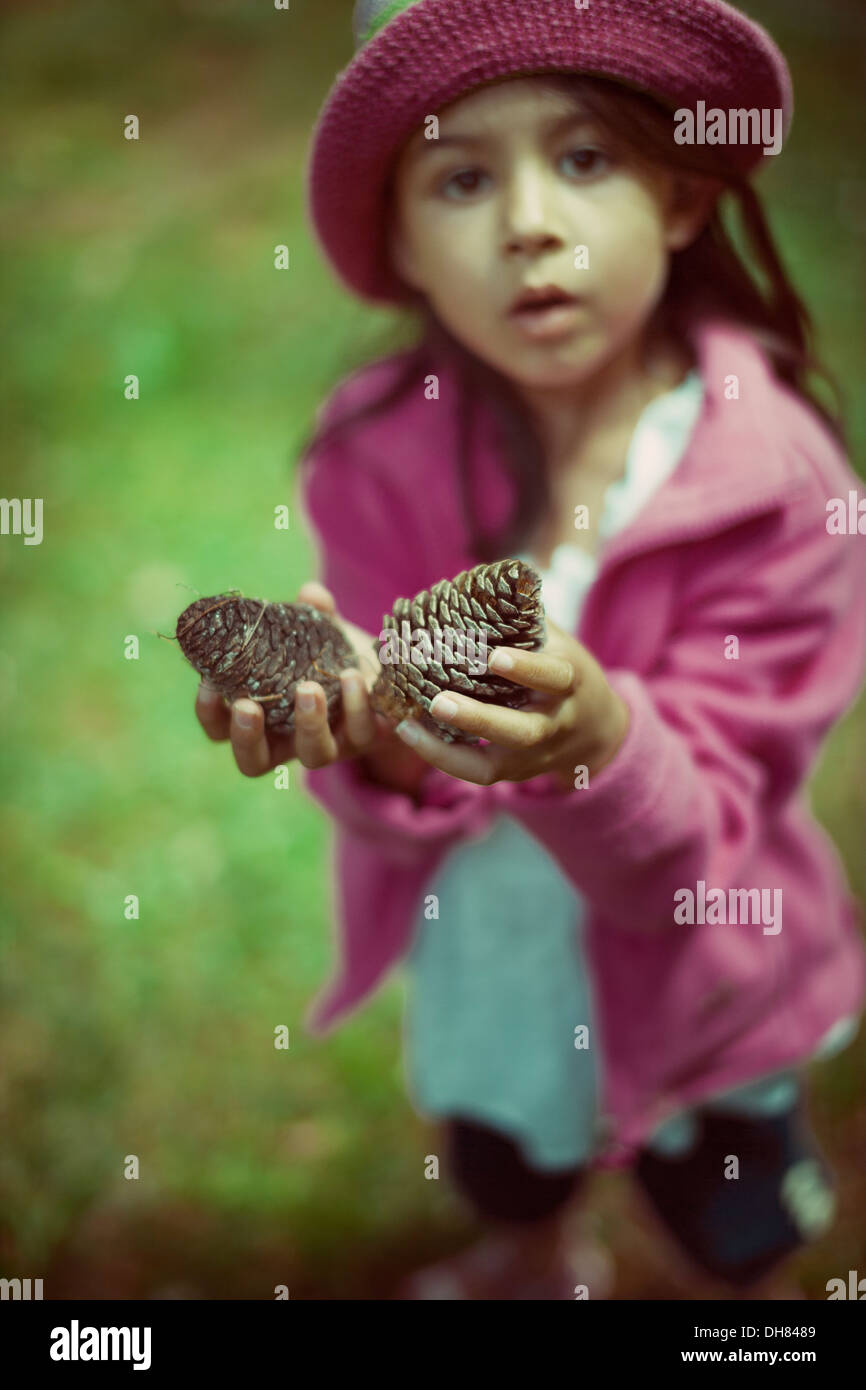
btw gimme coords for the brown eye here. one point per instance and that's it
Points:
(586, 160)
(464, 181)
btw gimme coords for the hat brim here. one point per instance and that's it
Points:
(679, 51)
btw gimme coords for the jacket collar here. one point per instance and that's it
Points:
(736, 464)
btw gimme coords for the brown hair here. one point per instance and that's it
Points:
(709, 278)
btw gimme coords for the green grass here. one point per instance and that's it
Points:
(154, 1037)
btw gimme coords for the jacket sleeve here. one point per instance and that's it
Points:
(714, 745)
(366, 535)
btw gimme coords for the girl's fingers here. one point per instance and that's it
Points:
(509, 727)
(552, 675)
(212, 713)
(314, 743)
(253, 754)
(481, 766)
(359, 720)
(317, 596)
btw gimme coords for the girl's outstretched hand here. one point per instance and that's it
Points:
(574, 718)
(361, 732)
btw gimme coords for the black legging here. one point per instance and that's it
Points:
(734, 1229)
(490, 1170)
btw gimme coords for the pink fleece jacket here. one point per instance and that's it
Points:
(708, 785)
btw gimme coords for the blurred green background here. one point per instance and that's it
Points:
(155, 1037)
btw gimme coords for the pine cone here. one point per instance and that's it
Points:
(440, 640)
(245, 647)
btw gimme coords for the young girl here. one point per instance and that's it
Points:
(625, 935)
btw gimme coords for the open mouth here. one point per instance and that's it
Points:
(537, 301)
(549, 313)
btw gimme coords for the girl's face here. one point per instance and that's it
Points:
(518, 181)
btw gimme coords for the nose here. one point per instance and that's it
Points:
(530, 219)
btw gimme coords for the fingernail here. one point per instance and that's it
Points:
(500, 661)
(443, 708)
(407, 731)
(306, 701)
(245, 718)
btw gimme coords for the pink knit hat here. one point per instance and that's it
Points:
(415, 56)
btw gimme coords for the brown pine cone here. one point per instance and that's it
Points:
(245, 647)
(440, 641)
